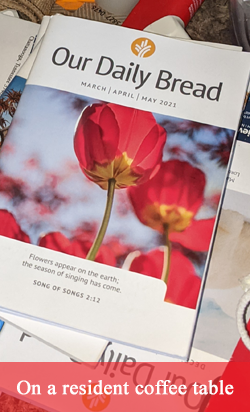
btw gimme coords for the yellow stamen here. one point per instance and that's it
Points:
(119, 169)
(176, 217)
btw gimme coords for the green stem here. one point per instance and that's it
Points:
(168, 254)
(100, 235)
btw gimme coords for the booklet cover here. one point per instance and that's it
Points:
(117, 155)
(221, 328)
(21, 35)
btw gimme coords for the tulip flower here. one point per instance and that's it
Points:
(76, 247)
(169, 202)
(120, 143)
(183, 284)
(117, 147)
(10, 228)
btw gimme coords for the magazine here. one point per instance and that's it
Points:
(76, 345)
(21, 35)
(227, 280)
(117, 156)
(11, 95)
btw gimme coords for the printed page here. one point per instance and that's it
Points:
(47, 338)
(18, 346)
(230, 264)
(115, 126)
(21, 36)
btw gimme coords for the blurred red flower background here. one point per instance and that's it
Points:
(10, 228)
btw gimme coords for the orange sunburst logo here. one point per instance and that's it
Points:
(143, 47)
(95, 403)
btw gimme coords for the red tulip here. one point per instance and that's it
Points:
(171, 200)
(10, 228)
(183, 284)
(117, 142)
(76, 247)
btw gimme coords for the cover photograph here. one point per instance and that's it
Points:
(111, 177)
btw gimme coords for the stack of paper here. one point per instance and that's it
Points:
(132, 125)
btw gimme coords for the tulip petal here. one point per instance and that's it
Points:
(76, 247)
(79, 145)
(150, 150)
(135, 125)
(197, 236)
(55, 241)
(150, 264)
(193, 185)
(106, 255)
(110, 132)
(93, 144)
(182, 185)
(10, 228)
(183, 284)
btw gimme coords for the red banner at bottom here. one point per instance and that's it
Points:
(79, 387)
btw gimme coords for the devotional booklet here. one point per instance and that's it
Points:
(21, 35)
(111, 176)
(13, 88)
(226, 295)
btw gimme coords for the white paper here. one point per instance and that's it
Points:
(17, 346)
(81, 347)
(21, 35)
(38, 292)
(147, 97)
